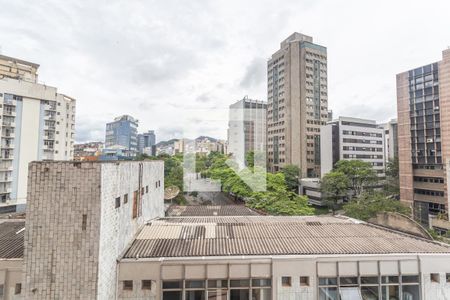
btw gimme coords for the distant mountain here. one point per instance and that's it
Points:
(202, 137)
(165, 143)
(206, 137)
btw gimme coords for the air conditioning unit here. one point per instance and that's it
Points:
(429, 140)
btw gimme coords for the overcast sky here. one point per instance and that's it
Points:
(161, 60)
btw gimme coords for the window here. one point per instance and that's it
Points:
(142, 191)
(286, 281)
(84, 222)
(146, 284)
(304, 281)
(172, 290)
(434, 277)
(117, 202)
(217, 289)
(125, 198)
(1, 290)
(128, 285)
(18, 289)
(146, 189)
(447, 277)
(328, 288)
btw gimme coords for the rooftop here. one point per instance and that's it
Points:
(271, 235)
(210, 210)
(11, 238)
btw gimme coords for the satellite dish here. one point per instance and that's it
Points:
(171, 192)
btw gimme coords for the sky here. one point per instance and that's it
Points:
(176, 66)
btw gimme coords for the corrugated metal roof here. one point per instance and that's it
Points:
(11, 238)
(271, 235)
(210, 210)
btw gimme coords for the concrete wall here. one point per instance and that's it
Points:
(61, 253)
(74, 231)
(117, 225)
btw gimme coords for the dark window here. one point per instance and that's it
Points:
(194, 284)
(18, 289)
(172, 295)
(261, 282)
(128, 285)
(434, 277)
(142, 191)
(172, 285)
(447, 277)
(84, 222)
(125, 198)
(304, 281)
(117, 202)
(146, 189)
(146, 284)
(286, 281)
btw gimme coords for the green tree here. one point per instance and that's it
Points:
(360, 174)
(291, 174)
(334, 187)
(392, 177)
(371, 203)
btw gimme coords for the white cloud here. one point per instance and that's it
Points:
(155, 59)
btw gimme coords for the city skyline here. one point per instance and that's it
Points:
(146, 65)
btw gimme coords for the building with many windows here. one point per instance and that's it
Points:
(246, 128)
(352, 138)
(123, 132)
(423, 105)
(297, 104)
(146, 142)
(37, 123)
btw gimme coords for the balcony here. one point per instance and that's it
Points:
(9, 113)
(9, 124)
(6, 168)
(7, 134)
(5, 179)
(5, 190)
(9, 102)
(8, 146)
(50, 117)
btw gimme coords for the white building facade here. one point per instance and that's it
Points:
(37, 123)
(247, 128)
(352, 139)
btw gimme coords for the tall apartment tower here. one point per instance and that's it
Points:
(352, 139)
(247, 128)
(37, 123)
(146, 141)
(297, 104)
(122, 132)
(423, 105)
(81, 217)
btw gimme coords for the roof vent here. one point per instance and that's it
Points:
(313, 223)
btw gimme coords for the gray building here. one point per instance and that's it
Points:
(352, 139)
(146, 142)
(122, 132)
(297, 104)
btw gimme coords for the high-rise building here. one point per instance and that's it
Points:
(37, 123)
(391, 139)
(122, 132)
(297, 104)
(146, 141)
(246, 128)
(352, 139)
(423, 105)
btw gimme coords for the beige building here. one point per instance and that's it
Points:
(37, 123)
(423, 104)
(297, 104)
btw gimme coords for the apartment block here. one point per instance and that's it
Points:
(37, 123)
(146, 142)
(122, 133)
(423, 105)
(247, 128)
(80, 217)
(352, 139)
(297, 104)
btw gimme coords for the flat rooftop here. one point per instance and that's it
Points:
(11, 239)
(271, 235)
(209, 210)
